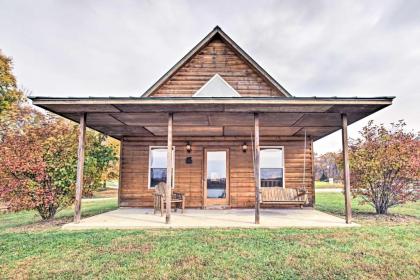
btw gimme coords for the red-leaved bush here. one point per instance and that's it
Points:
(385, 166)
(29, 161)
(38, 159)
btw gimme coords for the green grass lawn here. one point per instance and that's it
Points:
(25, 218)
(106, 193)
(326, 185)
(334, 203)
(373, 251)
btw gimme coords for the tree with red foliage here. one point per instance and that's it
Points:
(36, 165)
(385, 166)
(38, 154)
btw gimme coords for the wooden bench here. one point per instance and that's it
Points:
(285, 196)
(159, 200)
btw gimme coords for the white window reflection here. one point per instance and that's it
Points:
(216, 174)
(271, 167)
(157, 166)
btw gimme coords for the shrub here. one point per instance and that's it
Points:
(38, 165)
(385, 166)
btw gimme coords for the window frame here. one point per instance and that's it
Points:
(150, 163)
(284, 166)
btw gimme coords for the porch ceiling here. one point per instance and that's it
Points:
(123, 117)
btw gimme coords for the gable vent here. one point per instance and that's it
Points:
(216, 87)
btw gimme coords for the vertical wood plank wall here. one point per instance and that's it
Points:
(189, 177)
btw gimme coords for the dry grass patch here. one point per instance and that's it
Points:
(41, 225)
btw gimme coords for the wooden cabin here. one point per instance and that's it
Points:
(233, 130)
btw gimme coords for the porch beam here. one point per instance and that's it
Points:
(169, 170)
(80, 166)
(257, 167)
(347, 197)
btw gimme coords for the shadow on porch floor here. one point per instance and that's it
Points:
(143, 218)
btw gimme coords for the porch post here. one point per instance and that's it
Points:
(169, 170)
(347, 198)
(313, 171)
(80, 163)
(120, 171)
(257, 167)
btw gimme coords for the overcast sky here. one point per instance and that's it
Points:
(313, 48)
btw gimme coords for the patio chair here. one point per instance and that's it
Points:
(159, 200)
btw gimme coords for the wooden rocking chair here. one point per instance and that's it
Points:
(159, 200)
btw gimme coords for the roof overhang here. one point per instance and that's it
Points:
(292, 116)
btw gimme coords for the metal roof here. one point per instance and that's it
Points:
(197, 98)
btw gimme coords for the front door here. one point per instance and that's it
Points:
(216, 177)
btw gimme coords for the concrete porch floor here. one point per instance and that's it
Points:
(143, 218)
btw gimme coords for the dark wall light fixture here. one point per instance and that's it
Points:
(244, 147)
(188, 147)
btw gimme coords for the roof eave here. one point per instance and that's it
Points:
(386, 100)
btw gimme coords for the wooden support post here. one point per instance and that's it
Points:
(120, 172)
(80, 164)
(257, 167)
(313, 172)
(347, 197)
(169, 170)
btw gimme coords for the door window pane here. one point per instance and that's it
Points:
(271, 167)
(216, 174)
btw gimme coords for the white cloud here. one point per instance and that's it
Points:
(120, 48)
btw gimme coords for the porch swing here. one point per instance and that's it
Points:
(278, 195)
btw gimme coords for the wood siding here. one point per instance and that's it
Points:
(189, 177)
(216, 57)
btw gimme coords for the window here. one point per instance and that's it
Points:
(271, 167)
(157, 165)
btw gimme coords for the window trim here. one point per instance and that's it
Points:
(150, 163)
(284, 166)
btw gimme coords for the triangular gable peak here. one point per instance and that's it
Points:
(216, 87)
(216, 54)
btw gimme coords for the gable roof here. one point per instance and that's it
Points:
(217, 31)
(216, 87)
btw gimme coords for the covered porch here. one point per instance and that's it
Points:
(224, 123)
(143, 218)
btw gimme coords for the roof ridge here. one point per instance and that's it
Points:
(216, 31)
